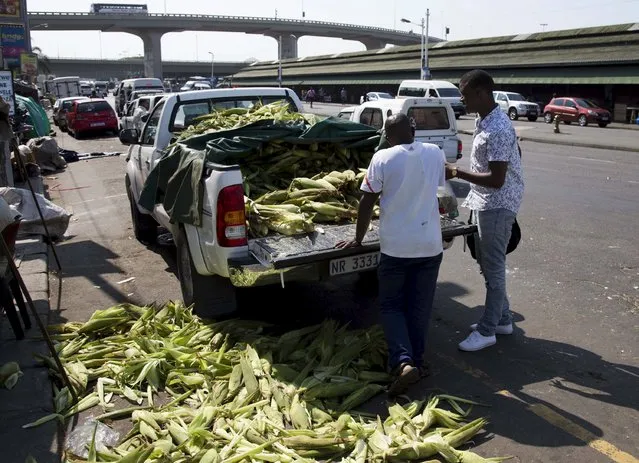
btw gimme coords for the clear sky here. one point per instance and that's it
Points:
(465, 18)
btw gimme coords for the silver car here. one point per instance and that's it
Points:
(516, 106)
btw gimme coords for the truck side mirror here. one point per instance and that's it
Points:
(145, 117)
(129, 136)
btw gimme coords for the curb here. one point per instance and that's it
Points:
(32, 397)
(569, 143)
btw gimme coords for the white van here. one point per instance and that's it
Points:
(123, 91)
(434, 119)
(433, 89)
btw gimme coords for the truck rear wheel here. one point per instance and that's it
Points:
(211, 295)
(145, 227)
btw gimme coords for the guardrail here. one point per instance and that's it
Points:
(298, 22)
(139, 60)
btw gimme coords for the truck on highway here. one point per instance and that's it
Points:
(214, 258)
(64, 87)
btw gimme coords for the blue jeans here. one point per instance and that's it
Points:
(406, 293)
(491, 241)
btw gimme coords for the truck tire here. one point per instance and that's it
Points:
(211, 295)
(145, 227)
(512, 114)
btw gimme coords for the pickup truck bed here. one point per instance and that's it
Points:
(311, 256)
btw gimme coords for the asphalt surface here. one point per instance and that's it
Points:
(563, 387)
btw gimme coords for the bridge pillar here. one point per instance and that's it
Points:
(372, 43)
(152, 53)
(289, 45)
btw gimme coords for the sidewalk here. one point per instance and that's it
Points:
(32, 396)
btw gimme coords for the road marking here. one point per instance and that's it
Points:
(547, 414)
(97, 199)
(633, 182)
(592, 159)
(582, 434)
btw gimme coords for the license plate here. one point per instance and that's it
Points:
(354, 263)
(604, 118)
(98, 124)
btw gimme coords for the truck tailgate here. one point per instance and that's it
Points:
(280, 252)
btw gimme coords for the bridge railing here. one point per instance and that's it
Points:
(44, 14)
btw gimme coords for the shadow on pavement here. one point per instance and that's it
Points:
(525, 379)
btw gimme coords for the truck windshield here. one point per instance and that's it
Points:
(515, 97)
(186, 113)
(429, 118)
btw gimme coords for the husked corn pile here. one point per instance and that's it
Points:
(325, 198)
(237, 394)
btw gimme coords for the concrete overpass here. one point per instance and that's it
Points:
(151, 27)
(134, 67)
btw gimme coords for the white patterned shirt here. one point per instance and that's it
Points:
(495, 140)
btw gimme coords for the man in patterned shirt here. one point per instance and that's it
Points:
(496, 192)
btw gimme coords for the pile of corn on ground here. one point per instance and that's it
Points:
(238, 391)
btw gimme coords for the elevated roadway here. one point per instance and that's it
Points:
(151, 27)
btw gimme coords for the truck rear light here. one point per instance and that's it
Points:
(460, 147)
(231, 220)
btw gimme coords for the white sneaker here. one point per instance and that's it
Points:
(500, 329)
(476, 341)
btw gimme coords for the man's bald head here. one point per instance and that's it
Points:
(399, 130)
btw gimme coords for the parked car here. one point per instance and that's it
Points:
(576, 110)
(375, 96)
(133, 121)
(95, 115)
(123, 92)
(444, 90)
(195, 85)
(60, 109)
(515, 105)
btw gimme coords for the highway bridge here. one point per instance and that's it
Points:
(102, 69)
(151, 27)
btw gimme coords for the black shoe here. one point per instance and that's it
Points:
(406, 374)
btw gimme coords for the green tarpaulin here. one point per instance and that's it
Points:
(177, 181)
(37, 115)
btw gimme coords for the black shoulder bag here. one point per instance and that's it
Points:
(515, 234)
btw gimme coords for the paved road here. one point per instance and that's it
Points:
(591, 136)
(562, 388)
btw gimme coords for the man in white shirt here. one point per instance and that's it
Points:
(405, 177)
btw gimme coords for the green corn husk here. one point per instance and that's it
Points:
(235, 392)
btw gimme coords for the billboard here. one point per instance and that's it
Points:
(6, 91)
(29, 64)
(14, 42)
(10, 9)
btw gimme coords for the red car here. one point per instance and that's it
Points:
(576, 110)
(95, 115)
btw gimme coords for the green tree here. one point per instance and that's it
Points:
(44, 63)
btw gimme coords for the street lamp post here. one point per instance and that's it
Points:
(279, 61)
(212, 68)
(424, 69)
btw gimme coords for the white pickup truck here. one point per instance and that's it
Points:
(217, 258)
